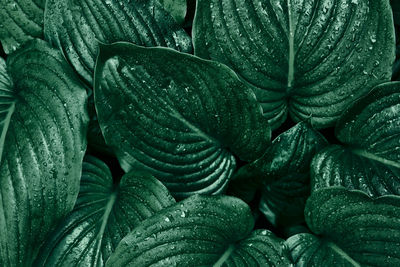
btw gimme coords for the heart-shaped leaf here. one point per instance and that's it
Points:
(370, 161)
(368, 230)
(43, 150)
(20, 21)
(176, 116)
(309, 58)
(103, 215)
(310, 250)
(76, 27)
(177, 9)
(200, 231)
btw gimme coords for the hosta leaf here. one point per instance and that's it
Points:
(103, 215)
(337, 165)
(20, 21)
(310, 58)
(310, 250)
(370, 161)
(368, 230)
(43, 150)
(77, 26)
(177, 9)
(176, 116)
(283, 173)
(199, 231)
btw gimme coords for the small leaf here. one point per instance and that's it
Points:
(310, 250)
(75, 27)
(368, 230)
(370, 161)
(20, 21)
(177, 9)
(43, 150)
(283, 174)
(199, 231)
(176, 116)
(103, 215)
(307, 58)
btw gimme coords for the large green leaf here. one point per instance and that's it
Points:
(200, 231)
(43, 150)
(310, 58)
(309, 250)
(368, 230)
(103, 215)
(177, 116)
(20, 21)
(77, 26)
(370, 159)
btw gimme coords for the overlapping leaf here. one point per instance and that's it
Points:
(77, 26)
(310, 58)
(43, 150)
(283, 173)
(103, 215)
(368, 230)
(20, 21)
(200, 231)
(370, 159)
(310, 250)
(176, 116)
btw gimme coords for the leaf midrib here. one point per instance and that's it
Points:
(225, 256)
(342, 253)
(290, 79)
(107, 211)
(364, 153)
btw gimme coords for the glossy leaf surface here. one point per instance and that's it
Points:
(310, 250)
(309, 58)
(20, 21)
(43, 150)
(370, 159)
(368, 230)
(76, 27)
(103, 215)
(177, 116)
(199, 231)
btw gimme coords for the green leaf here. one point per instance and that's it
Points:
(261, 248)
(310, 250)
(177, 9)
(307, 58)
(20, 21)
(283, 174)
(75, 27)
(370, 161)
(43, 150)
(103, 215)
(7, 103)
(177, 116)
(199, 231)
(368, 230)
